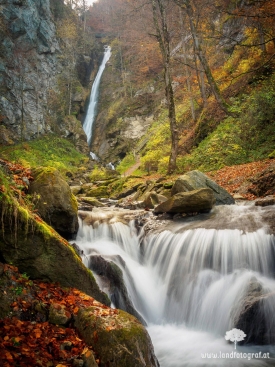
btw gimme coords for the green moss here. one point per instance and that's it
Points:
(50, 151)
(99, 192)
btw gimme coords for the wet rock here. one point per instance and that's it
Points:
(91, 201)
(255, 315)
(194, 180)
(201, 200)
(119, 340)
(118, 291)
(54, 200)
(269, 200)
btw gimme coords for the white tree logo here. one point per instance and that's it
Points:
(235, 335)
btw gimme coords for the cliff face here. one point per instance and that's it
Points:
(28, 66)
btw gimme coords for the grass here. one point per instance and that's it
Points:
(50, 151)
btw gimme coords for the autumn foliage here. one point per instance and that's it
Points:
(27, 336)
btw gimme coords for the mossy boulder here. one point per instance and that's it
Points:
(201, 200)
(98, 192)
(151, 199)
(91, 201)
(54, 200)
(36, 249)
(119, 340)
(195, 180)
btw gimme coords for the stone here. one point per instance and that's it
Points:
(117, 290)
(194, 180)
(88, 358)
(76, 189)
(54, 200)
(91, 201)
(269, 200)
(253, 316)
(201, 200)
(98, 192)
(29, 243)
(238, 197)
(58, 315)
(152, 199)
(119, 340)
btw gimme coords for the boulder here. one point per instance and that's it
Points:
(36, 249)
(194, 180)
(254, 315)
(119, 340)
(54, 201)
(98, 192)
(201, 200)
(91, 201)
(151, 199)
(117, 290)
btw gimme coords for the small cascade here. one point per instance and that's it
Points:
(91, 112)
(190, 286)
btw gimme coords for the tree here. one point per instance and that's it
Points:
(163, 37)
(235, 335)
(187, 6)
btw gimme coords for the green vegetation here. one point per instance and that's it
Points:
(245, 138)
(49, 151)
(126, 163)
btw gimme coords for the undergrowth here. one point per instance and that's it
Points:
(49, 151)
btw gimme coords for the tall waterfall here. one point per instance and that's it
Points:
(189, 285)
(91, 113)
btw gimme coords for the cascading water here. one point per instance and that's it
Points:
(91, 113)
(189, 286)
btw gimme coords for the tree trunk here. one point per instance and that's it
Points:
(187, 74)
(164, 44)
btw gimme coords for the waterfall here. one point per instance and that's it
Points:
(190, 285)
(91, 112)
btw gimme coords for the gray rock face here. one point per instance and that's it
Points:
(201, 200)
(194, 180)
(28, 65)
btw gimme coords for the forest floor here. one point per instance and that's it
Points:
(234, 178)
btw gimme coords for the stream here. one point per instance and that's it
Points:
(188, 280)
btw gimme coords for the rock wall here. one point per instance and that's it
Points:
(28, 65)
